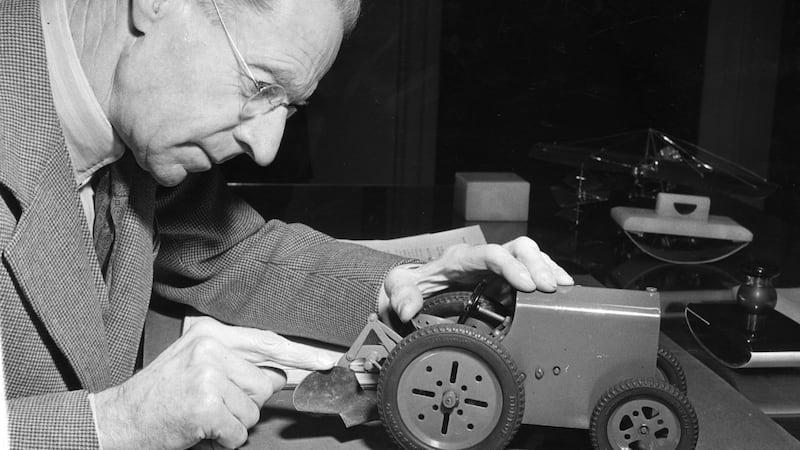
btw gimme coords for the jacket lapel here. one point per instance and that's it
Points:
(50, 254)
(50, 261)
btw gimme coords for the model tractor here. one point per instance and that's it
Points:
(480, 363)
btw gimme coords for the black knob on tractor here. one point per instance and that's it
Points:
(757, 295)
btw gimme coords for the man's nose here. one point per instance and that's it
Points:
(262, 134)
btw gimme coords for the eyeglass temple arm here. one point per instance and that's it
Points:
(239, 57)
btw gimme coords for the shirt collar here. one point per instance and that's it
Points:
(91, 141)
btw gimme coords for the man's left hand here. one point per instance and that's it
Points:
(520, 262)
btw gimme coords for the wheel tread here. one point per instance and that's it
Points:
(667, 357)
(517, 401)
(685, 411)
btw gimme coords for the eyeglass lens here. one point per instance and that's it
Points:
(269, 96)
(267, 99)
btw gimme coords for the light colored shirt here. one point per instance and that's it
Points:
(91, 141)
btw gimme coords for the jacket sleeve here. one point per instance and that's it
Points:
(221, 257)
(60, 420)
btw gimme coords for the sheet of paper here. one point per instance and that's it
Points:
(429, 246)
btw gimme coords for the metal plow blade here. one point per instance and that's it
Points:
(336, 392)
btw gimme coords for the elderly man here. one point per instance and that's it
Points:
(113, 115)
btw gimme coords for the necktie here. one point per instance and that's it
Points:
(103, 227)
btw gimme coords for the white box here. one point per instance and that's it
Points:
(491, 196)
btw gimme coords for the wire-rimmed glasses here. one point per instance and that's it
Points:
(268, 97)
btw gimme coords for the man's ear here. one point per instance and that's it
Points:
(145, 13)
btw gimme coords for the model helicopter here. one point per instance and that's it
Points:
(652, 161)
(648, 167)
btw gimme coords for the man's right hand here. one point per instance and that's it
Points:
(205, 386)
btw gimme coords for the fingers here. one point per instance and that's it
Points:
(533, 263)
(277, 377)
(260, 346)
(199, 391)
(407, 301)
(228, 432)
(228, 393)
(544, 272)
(257, 384)
(270, 346)
(207, 445)
(562, 277)
(240, 404)
(405, 295)
(238, 385)
(520, 261)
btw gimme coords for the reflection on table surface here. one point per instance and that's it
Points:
(593, 249)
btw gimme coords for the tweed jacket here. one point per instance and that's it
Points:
(65, 333)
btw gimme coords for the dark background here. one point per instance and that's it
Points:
(424, 89)
(551, 71)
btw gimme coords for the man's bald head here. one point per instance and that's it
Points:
(349, 9)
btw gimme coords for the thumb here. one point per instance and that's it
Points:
(277, 377)
(405, 299)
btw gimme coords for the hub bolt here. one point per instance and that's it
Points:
(450, 399)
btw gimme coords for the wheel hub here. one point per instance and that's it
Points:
(643, 424)
(450, 399)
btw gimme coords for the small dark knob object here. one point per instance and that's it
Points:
(757, 295)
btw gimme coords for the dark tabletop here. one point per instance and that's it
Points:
(730, 404)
